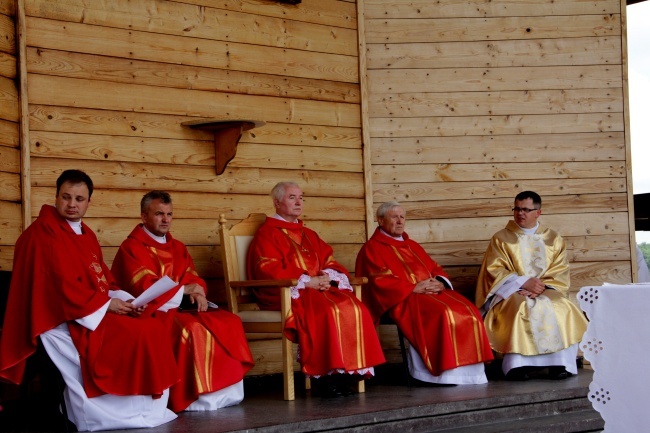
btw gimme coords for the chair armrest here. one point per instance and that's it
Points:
(263, 283)
(354, 281)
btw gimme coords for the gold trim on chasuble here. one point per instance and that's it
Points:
(102, 282)
(478, 341)
(191, 271)
(358, 328)
(336, 311)
(449, 313)
(202, 370)
(413, 280)
(141, 274)
(143, 271)
(384, 273)
(451, 320)
(409, 272)
(298, 248)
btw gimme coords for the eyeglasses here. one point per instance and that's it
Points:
(525, 209)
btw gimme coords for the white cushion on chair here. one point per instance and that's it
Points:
(242, 243)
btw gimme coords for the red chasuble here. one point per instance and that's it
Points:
(446, 329)
(60, 276)
(334, 330)
(210, 347)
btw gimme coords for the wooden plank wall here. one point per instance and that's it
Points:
(10, 192)
(471, 102)
(111, 82)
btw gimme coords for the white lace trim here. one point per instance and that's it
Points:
(295, 290)
(342, 279)
(362, 372)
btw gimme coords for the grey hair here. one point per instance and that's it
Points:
(387, 207)
(163, 196)
(277, 193)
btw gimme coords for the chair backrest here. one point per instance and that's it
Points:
(235, 242)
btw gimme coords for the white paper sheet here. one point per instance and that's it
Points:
(158, 288)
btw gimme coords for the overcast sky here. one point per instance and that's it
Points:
(638, 45)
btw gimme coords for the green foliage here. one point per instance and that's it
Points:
(645, 249)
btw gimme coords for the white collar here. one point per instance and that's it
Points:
(398, 238)
(278, 217)
(75, 226)
(159, 239)
(531, 230)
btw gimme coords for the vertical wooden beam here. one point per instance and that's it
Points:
(628, 143)
(25, 168)
(365, 123)
(287, 347)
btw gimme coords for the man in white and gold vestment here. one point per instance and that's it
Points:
(522, 292)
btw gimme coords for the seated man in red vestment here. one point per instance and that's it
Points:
(333, 329)
(116, 368)
(210, 346)
(448, 343)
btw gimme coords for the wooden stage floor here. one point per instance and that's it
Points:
(263, 405)
(386, 396)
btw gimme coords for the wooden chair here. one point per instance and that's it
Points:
(259, 324)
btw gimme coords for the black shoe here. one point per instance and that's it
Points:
(333, 392)
(338, 385)
(558, 373)
(518, 374)
(493, 371)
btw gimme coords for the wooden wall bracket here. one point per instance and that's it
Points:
(227, 134)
